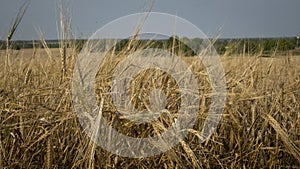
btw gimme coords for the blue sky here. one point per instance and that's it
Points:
(227, 18)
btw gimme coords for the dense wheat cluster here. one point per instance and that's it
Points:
(260, 126)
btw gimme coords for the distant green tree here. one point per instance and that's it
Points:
(78, 45)
(185, 40)
(285, 44)
(269, 45)
(173, 41)
(15, 46)
(221, 49)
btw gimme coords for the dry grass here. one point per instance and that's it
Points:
(260, 127)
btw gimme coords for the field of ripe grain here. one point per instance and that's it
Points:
(260, 126)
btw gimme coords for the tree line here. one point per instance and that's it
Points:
(183, 46)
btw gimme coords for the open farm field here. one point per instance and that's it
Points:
(260, 125)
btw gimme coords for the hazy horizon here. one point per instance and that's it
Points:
(226, 19)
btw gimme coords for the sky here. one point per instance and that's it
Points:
(223, 18)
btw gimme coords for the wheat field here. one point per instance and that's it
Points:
(260, 126)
